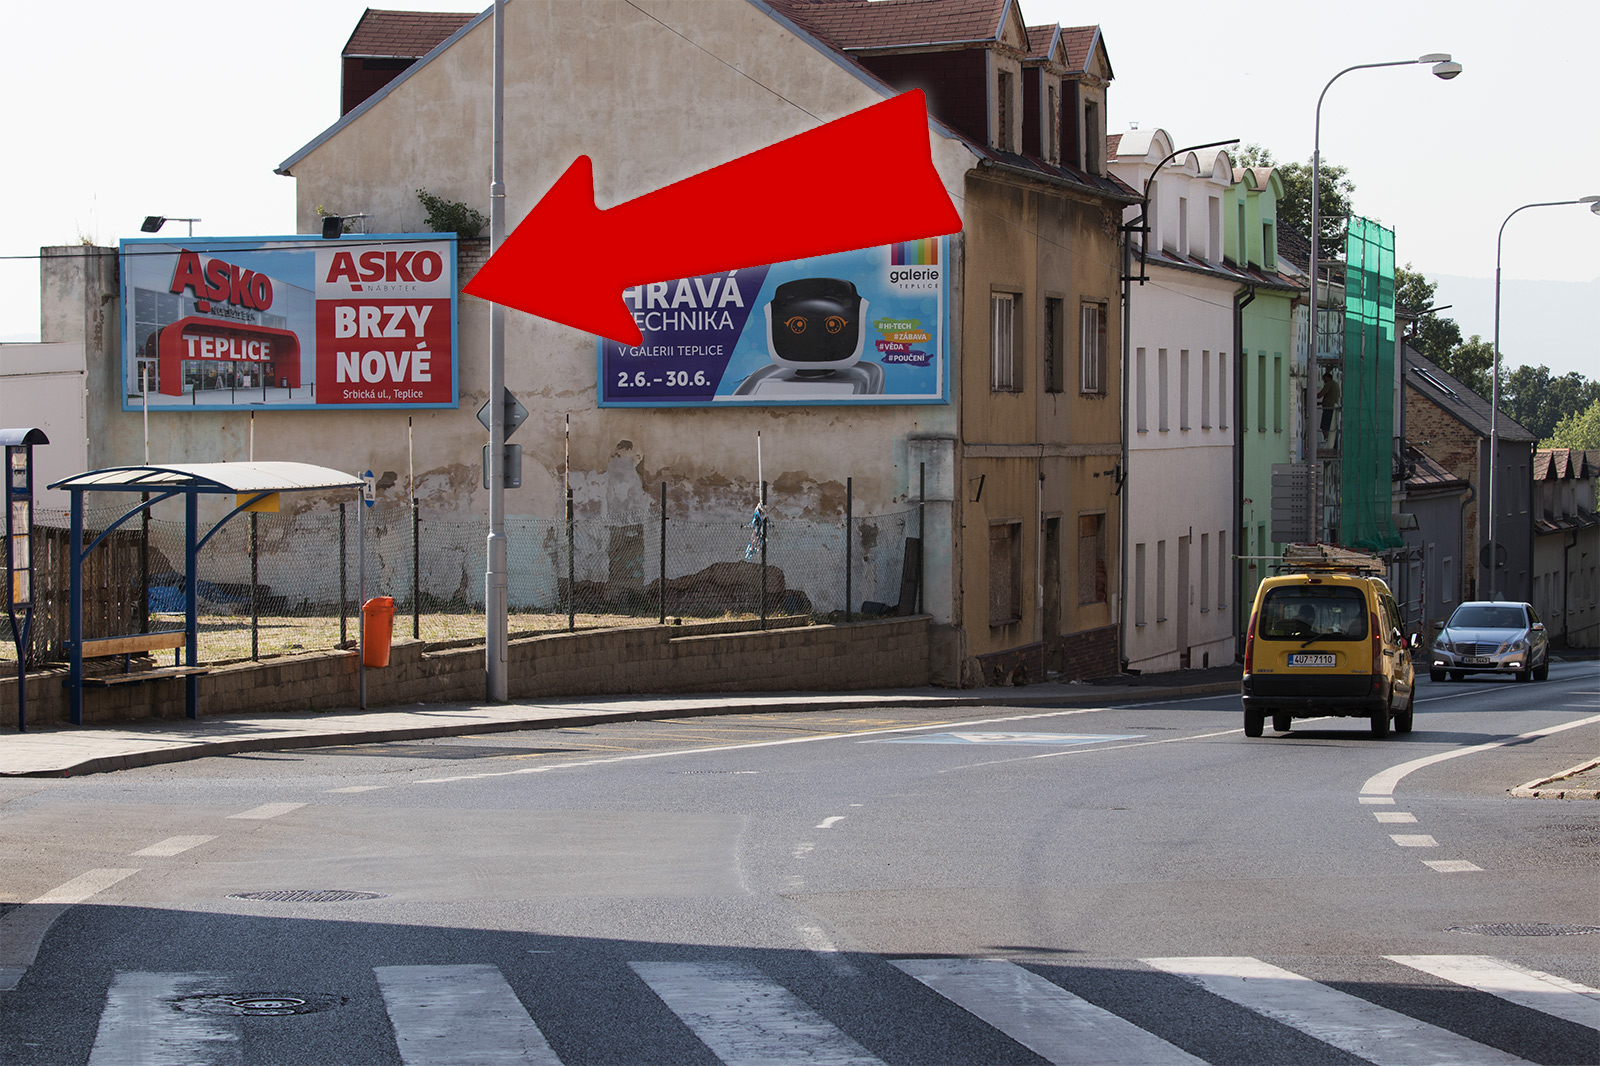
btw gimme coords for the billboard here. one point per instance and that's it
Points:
(864, 327)
(289, 323)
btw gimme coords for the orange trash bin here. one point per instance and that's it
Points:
(377, 630)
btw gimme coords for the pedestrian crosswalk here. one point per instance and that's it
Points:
(736, 1011)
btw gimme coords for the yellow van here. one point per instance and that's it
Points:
(1325, 640)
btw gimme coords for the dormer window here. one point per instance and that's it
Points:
(1094, 138)
(1052, 124)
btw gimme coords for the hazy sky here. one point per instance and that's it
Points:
(116, 110)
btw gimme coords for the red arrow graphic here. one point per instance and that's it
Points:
(859, 181)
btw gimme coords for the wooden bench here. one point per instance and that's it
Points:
(136, 643)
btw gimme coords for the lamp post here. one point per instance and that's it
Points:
(1489, 558)
(1444, 69)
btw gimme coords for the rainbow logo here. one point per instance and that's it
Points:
(915, 253)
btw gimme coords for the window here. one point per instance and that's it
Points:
(1205, 573)
(1214, 229)
(1002, 332)
(1161, 581)
(1447, 567)
(1269, 246)
(1183, 388)
(1277, 393)
(1140, 618)
(1092, 348)
(1205, 389)
(1244, 244)
(1005, 573)
(1183, 225)
(1006, 107)
(1161, 390)
(1261, 392)
(1222, 390)
(1052, 125)
(1142, 384)
(1222, 570)
(1092, 558)
(1053, 328)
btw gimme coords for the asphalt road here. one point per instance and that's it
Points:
(1131, 885)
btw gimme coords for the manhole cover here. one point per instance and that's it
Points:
(306, 895)
(1524, 929)
(256, 1005)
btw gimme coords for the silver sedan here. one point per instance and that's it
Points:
(1491, 636)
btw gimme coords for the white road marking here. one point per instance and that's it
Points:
(1043, 1017)
(1396, 817)
(822, 946)
(1093, 748)
(1452, 866)
(355, 788)
(173, 846)
(830, 822)
(1384, 784)
(1377, 799)
(268, 810)
(22, 930)
(83, 886)
(745, 1017)
(1414, 840)
(141, 1024)
(1535, 989)
(758, 744)
(1382, 1036)
(802, 849)
(459, 1016)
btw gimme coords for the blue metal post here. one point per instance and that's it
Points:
(75, 611)
(191, 683)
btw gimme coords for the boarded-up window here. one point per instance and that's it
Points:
(1092, 348)
(1002, 334)
(1053, 328)
(1092, 558)
(1005, 573)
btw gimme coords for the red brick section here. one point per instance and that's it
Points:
(853, 24)
(403, 34)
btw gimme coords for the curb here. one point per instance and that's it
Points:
(1536, 789)
(199, 749)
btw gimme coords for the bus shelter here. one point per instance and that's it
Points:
(251, 484)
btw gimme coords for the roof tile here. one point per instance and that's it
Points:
(407, 34)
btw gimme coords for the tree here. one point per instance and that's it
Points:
(1470, 364)
(1577, 429)
(1433, 335)
(1294, 210)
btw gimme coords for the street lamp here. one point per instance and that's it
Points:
(1444, 69)
(1489, 559)
(153, 223)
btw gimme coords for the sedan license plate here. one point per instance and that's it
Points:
(1477, 660)
(1311, 659)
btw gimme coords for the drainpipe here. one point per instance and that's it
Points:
(1241, 299)
(1128, 230)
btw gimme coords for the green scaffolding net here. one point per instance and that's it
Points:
(1367, 521)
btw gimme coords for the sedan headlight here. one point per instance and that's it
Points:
(1519, 645)
(1442, 643)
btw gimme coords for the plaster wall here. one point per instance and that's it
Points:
(622, 83)
(1029, 455)
(1266, 431)
(42, 387)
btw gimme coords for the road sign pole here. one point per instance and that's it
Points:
(495, 580)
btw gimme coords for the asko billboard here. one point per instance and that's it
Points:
(289, 322)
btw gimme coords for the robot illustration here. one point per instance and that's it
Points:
(815, 334)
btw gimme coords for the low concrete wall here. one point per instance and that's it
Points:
(713, 657)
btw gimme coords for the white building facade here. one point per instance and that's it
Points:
(1180, 485)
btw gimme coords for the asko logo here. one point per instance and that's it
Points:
(385, 266)
(220, 282)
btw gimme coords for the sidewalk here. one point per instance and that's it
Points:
(69, 752)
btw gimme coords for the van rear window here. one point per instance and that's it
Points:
(1338, 612)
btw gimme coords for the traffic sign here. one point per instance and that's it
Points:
(369, 489)
(516, 414)
(510, 466)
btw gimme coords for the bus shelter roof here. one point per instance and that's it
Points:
(211, 478)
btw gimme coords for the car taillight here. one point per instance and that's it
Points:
(1250, 644)
(1377, 642)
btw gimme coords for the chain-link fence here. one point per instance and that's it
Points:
(276, 584)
